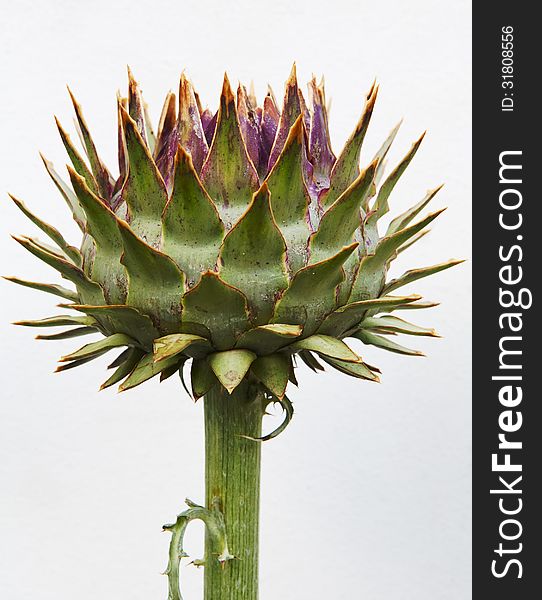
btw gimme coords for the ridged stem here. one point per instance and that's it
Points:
(232, 474)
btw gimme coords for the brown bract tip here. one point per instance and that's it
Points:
(292, 79)
(198, 100)
(373, 165)
(74, 175)
(373, 93)
(314, 92)
(226, 96)
(80, 183)
(243, 101)
(184, 84)
(371, 89)
(187, 103)
(169, 113)
(73, 99)
(367, 111)
(440, 211)
(434, 191)
(59, 125)
(134, 94)
(131, 79)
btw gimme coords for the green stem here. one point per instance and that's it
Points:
(232, 474)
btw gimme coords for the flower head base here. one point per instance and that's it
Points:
(235, 240)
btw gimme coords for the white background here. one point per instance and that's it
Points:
(367, 494)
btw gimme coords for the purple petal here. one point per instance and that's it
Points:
(258, 113)
(210, 128)
(165, 160)
(270, 122)
(320, 153)
(304, 111)
(198, 102)
(291, 110)
(135, 105)
(250, 130)
(191, 133)
(167, 141)
(206, 117)
(168, 122)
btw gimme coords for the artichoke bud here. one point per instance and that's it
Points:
(236, 240)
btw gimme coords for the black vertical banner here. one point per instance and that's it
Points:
(507, 265)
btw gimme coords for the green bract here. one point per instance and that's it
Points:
(236, 241)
